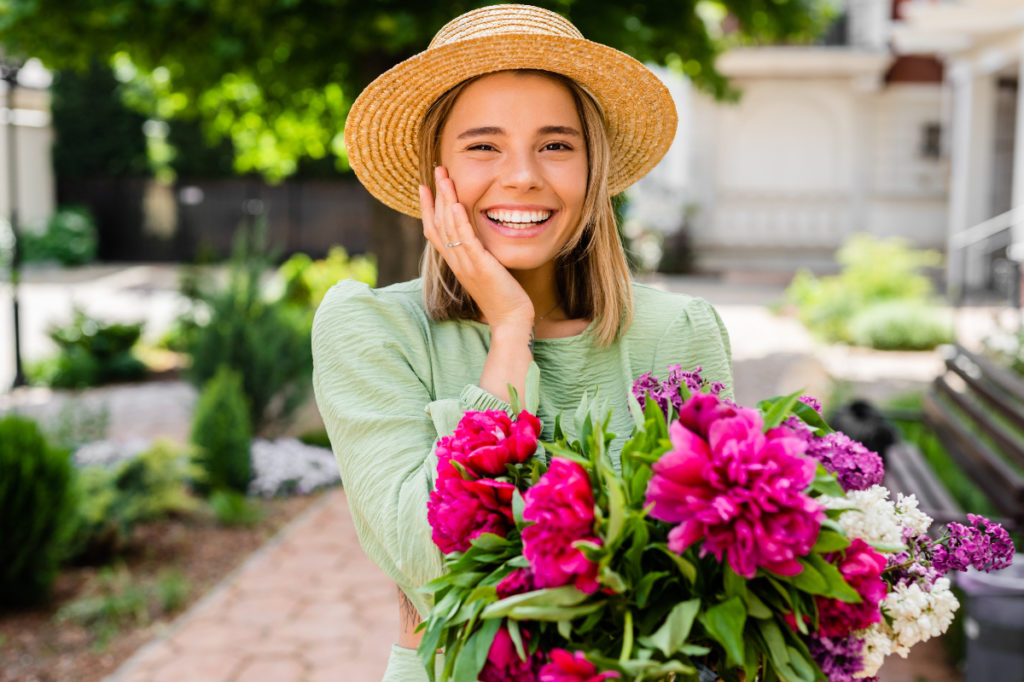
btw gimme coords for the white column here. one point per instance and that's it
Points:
(1017, 249)
(961, 81)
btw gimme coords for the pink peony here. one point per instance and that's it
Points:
(862, 568)
(484, 443)
(516, 582)
(561, 505)
(567, 667)
(740, 490)
(503, 663)
(460, 510)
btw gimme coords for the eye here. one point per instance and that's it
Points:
(557, 147)
(481, 147)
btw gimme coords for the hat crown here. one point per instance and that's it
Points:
(496, 20)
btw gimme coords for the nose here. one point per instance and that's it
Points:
(520, 171)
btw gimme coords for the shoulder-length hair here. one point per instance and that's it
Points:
(590, 271)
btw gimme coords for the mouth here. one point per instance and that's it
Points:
(518, 220)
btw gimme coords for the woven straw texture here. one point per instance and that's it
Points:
(382, 129)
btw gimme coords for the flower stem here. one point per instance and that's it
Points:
(627, 638)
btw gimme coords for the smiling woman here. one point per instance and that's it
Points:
(507, 137)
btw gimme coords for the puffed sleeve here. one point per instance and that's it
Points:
(697, 337)
(372, 378)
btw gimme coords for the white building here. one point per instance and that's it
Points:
(982, 43)
(826, 141)
(30, 116)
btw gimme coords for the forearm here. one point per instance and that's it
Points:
(508, 361)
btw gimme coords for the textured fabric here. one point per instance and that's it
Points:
(389, 382)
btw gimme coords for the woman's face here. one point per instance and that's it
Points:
(514, 147)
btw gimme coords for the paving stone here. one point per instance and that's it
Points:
(271, 669)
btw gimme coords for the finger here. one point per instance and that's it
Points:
(442, 210)
(427, 215)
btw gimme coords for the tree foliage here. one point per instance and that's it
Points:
(276, 77)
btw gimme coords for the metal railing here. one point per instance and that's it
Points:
(962, 245)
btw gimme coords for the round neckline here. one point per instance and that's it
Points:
(555, 340)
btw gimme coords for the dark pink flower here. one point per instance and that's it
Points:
(739, 490)
(561, 506)
(460, 510)
(572, 667)
(503, 663)
(484, 443)
(516, 582)
(861, 567)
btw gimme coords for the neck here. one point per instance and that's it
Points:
(540, 286)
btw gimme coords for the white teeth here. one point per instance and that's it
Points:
(507, 216)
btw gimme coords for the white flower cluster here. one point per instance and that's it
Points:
(916, 615)
(875, 519)
(288, 466)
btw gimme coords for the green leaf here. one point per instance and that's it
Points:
(775, 642)
(612, 580)
(826, 483)
(518, 506)
(673, 632)
(567, 595)
(635, 411)
(688, 570)
(809, 580)
(724, 622)
(616, 507)
(804, 668)
(474, 653)
(643, 588)
(756, 607)
(553, 613)
(780, 409)
(830, 541)
(513, 399)
(837, 586)
(811, 417)
(489, 542)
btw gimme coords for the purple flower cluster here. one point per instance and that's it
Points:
(984, 545)
(856, 467)
(667, 393)
(911, 565)
(838, 657)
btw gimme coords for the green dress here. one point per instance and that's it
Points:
(389, 382)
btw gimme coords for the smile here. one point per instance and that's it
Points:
(518, 220)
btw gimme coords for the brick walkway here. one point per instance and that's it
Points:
(308, 607)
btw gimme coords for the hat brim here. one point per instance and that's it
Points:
(383, 125)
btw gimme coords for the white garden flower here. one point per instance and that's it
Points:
(877, 645)
(910, 516)
(873, 519)
(918, 615)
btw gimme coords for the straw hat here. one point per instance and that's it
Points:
(382, 129)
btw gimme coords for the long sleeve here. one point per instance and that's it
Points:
(373, 381)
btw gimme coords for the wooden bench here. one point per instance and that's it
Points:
(976, 409)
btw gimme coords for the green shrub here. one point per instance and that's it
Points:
(306, 281)
(900, 325)
(232, 508)
(222, 432)
(36, 498)
(153, 485)
(91, 353)
(266, 342)
(70, 238)
(1007, 348)
(873, 271)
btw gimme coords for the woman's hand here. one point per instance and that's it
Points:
(501, 299)
(504, 303)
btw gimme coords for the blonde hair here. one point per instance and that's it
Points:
(591, 273)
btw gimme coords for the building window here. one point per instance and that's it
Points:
(931, 140)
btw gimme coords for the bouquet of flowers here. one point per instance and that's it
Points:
(729, 542)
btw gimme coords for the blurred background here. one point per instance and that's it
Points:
(846, 186)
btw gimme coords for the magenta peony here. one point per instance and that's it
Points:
(861, 567)
(739, 490)
(516, 582)
(503, 663)
(484, 443)
(460, 510)
(561, 506)
(572, 667)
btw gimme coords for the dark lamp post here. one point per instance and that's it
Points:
(9, 68)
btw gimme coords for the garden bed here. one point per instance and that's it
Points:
(36, 646)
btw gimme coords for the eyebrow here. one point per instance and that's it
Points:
(494, 130)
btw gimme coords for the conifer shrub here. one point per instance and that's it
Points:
(35, 502)
(222, 433)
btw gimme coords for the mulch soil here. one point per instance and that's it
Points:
(37, 647)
